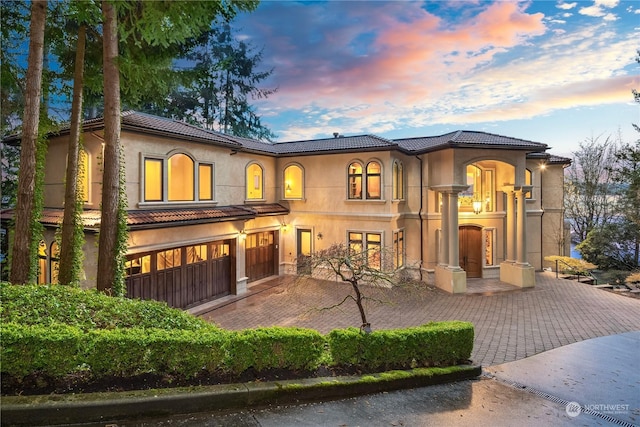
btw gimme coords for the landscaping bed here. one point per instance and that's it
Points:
(56, 339)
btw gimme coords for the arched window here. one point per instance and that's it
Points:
(355, 180)
(180, 174)
(42, 262)
(293, 182)
(54, 263)
(398, 180)
(254, 182)
(374, 181)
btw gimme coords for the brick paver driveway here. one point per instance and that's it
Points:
(509, 325)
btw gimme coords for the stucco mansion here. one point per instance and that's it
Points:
(210, 214)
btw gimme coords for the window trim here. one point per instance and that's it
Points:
(364, 242)
(364, 180)
(164, 171)
(284, 181)
(398, 180)
(246, 183)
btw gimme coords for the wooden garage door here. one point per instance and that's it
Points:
(261, 255)
(182, 277)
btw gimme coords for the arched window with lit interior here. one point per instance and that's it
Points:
(180, 178)
(254, 182)
(293, 182)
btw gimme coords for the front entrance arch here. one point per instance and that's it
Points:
(470, 244)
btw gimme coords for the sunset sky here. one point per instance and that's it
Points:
(548, 71)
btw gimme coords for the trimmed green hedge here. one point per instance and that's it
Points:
(275, 347)
(434, 344)
(58, 331)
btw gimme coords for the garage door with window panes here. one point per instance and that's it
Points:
(261, 255)
(183, 276)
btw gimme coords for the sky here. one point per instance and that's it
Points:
(555, 72)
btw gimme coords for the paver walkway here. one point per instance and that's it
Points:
(509, 324)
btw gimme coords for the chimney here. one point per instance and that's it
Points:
(335, 134)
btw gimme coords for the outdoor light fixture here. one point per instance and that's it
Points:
(242, 234)
(477, 207)
(283, 226)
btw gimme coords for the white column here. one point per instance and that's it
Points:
(522, 227)
(444, 230)
(454, 244)
(511, 227)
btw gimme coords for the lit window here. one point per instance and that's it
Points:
(180, 178)
(374, 180)
(398, 180)
(169, 259)
(83, 175)
(205, 182)
(528, 180)
(54, 263)
(197, 253)
(355, 181)
(293, 182)
(138, 264)
(368, 246)
(398, 248)
(152, 180)
(488, 248)
(42, 262)
(254, 182)
(479, 195)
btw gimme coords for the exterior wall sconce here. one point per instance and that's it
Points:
(319, 236)
(242, 235)
(477, 207)
(284, 226)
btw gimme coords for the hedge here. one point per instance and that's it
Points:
(433, 344)
(60, 349)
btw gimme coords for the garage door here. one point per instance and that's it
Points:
(182, 277)
(261, 255)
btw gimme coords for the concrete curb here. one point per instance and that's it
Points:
(101, 407)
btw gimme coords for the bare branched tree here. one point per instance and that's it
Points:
(368, 272)
(589, 200)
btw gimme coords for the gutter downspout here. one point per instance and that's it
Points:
(421, 221)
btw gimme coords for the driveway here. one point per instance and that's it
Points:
(510, 323)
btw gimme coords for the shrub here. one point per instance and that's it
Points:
(88, 309)
(275, 347)
(438, 343)
(53, 350)
(570, 265)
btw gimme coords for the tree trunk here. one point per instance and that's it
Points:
(68, 246)
(21, 259)
(107, 248)
(366, 326)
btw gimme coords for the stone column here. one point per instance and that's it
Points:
(454, 243)
(511, 227)
(444, 230)
(521, 231)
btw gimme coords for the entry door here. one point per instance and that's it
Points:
(470, 239)
(303, 252)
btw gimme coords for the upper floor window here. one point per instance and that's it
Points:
(254, 182)
(180, 175)
(178, 178)
(398, 180)
(479, 195)
(365, 185)
(293, 182)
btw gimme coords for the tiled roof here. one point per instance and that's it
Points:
(469, 139)
(147, 123)
(341, 143)
(559, 160)
(153, 218)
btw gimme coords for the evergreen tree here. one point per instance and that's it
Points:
(225, 77)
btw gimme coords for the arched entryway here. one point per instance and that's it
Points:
(470, 241)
